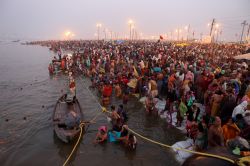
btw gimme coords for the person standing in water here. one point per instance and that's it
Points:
(102, 135)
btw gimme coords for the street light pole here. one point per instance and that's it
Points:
(212, 26)
(130, 22)
(130, 26)
(248, 32)
(244, 24)
(201, 34)
(98, 30)
(105, 37)
(133, 33)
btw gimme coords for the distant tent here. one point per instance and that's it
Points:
(243, 56)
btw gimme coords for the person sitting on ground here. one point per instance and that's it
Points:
(240, 122)
(102, 135)
(196, 111)
(245, 133)
(239, 109)
(230, 130)
(215, 134)
(200, 141)
(191, 127)
(72, 120)
(182, 109)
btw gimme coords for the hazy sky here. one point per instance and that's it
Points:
(49, 19)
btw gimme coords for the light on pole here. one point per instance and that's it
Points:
(130, 22)
(98, 25)
(95, 35)
(178, 31)
(133, 32)
(187, 29)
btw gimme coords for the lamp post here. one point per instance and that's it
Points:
(95, 35)
(104, 30)
(178, 33)
(216, 32)
(111, 35)
(133, 32)
(187, 29)
(130, 22)
(98, 25)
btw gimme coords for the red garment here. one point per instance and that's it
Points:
(107, 90)
(205, 82)
(125, 80)
(63, 64)
(72, 85)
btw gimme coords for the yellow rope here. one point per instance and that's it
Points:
(81, 126)
(99, 113)
(243, 161)
(240, 162)
(186, 150)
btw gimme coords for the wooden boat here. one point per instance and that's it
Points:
(65, 106)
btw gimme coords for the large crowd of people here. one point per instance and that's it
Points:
(180, 74)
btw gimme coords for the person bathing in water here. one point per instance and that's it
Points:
(102, 135)
(127, 138)
(150, 104)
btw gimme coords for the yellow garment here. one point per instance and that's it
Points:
(135, 72)
(132, 83)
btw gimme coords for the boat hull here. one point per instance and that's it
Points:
(62, 108)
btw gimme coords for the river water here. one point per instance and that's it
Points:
(27, 99)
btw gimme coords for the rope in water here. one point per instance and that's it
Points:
(82, 124)
(78, 140)
(182, 149)
(240, 162)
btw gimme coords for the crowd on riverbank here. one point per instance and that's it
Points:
(180, 75)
